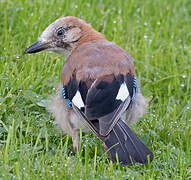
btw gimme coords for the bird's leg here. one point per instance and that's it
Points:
(75, 140)
(74, 130)
(106, 150)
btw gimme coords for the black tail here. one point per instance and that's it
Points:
(128, 147)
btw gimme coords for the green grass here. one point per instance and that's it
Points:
(156, 33)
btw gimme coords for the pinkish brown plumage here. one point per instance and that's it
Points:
(98, 88)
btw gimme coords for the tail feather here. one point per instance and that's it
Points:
(121, 141)
(128, 147)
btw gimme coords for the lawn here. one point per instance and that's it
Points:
(156, 33)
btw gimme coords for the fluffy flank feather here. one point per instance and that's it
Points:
(65, 118)
(137, 109)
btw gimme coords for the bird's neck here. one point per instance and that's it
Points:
(90, 35)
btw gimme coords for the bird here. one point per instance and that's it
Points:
(98, 92)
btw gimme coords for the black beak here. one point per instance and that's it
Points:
(37, 47)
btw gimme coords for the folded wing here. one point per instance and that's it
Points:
(101, 106)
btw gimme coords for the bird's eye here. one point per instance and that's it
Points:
(61, 32)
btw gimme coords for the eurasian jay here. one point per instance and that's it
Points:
(98, 89)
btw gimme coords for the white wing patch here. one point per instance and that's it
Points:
(77, 100)
(123, 92)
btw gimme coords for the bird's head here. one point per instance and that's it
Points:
(64, 35)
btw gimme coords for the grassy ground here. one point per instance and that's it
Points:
(156, 33)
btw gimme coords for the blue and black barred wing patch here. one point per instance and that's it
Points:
(75, 92)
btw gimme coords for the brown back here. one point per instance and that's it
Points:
(97, 58)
